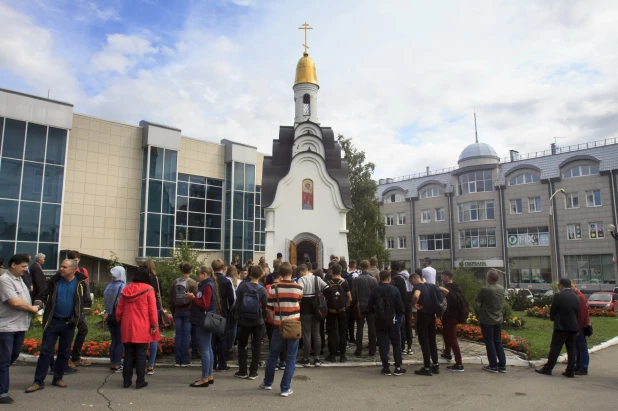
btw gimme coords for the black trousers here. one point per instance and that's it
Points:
(351, 322)
(337, 329)
(558, 339)
(426, 330)
(256, 347)
(80, 338)
(406, 328)
(134, 357)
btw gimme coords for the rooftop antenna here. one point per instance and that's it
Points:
(48, 90)
(476, 134)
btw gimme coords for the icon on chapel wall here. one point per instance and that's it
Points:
(307, 194)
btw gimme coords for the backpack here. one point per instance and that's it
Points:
(384, 311)
(438, 305)
(250, 308)
(464, 309)
(321, 304)
(336, 295)
(179, 293)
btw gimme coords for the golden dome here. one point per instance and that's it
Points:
(305, 71)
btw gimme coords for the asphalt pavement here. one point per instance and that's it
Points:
(331, 389)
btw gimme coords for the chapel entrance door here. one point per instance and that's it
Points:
(306, 252)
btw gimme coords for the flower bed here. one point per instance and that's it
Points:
(539, 312)
(599, 312)
(474, 333)
(97, 349)
(513, 322)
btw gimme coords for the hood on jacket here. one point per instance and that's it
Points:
(119, 274)
(57, 277)
(134, 291)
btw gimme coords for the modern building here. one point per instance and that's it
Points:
(492, 212)
(74, 182)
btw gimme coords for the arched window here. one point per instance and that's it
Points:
(432, 192)
(306, 105)
(580, 171)
(525, 178)
(394, 198)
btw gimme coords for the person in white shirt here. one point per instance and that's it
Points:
(429, 273)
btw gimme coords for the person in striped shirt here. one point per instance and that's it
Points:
(290, 295)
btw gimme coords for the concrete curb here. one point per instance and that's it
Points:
(512, 361)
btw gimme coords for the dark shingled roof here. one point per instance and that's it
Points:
(278, 165)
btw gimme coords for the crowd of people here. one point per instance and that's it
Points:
(294, 307)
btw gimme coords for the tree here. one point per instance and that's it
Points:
(168, 268)
(365, 222)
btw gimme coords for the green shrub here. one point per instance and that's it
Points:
(519, 301)
(469, 284)
(167, 269)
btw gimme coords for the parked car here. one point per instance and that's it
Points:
(603, 300)
(524, 291)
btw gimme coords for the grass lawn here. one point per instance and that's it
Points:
(537, 332)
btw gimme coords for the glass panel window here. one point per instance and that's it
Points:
(50, 223)
(238, 206)
(8, 221)
(580, 171)
(526, 178)
(394, 198)
(401, 218)
(477, 238)
(590, 269)
(171, 159)
(35, 143)
(56, 146)
(432, 242)
(432, 192)
(401, 242)
(534, 204)
(15, 132)
(388, 219)
(596, 231)
(249, 177)
(157, 155)
(28, 228)
(390, 243)
(440, 214)
(425, 216)
(51, 255)
(476, 210)
(593, 198)
(475, 182)
(155, 189)
(10, 177)
(153, 232)
(572, 200)
(516, 206)
(528, 237)
(54, 176)
(239, 176)
(32, 182)
(574, 231)
(7, 250)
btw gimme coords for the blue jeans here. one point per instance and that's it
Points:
(181, 340)
(205, 340)
(154, 346)
(492, 335)
(57, 330)
(290, 360)
(116, 348)
(582, 357)
(389, 336)
(10, 347)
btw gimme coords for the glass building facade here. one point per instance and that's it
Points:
(240, 208)
(32, 171)
(260, 222)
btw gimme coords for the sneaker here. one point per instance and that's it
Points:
(241, 375)
(399, 371)
(490, 369)
(317, 362)
(150, 371)
(261, 364)
(120, 368)
(34, 387)
(435, 369)
(6, 400)
(447, 357)
(455, 367)
(423, 371)
(83, 363)
(581, 372)
(252, 376)
(386, 371)
(281, 366)
(265, 387)
(343, 358)
(331, 358)
(502, 370)
(304, 362)
(227, 368)
(188, 365)
(410, 351)
(287, 393)
(68, 370)
(177, 365)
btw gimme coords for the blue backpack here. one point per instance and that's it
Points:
(250, 308)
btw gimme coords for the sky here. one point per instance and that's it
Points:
(401, 78)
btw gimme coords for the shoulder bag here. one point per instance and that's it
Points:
(288, 329)
(321, 308)
(213, 322)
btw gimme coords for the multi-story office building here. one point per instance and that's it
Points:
(492, 212)
(75, 182)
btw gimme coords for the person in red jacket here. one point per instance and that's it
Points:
(582, 357)
(139, 325)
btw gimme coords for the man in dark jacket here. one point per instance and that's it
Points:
(387, 330)
(362, 286)
(399, 281)
(38, 277)
(66, 301)
(563, 313)
(226, 292)
(425, 303)
(455, 310)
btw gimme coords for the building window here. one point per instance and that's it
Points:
(402, 242)
(574, 232)
(590, 269)
(572, 200)
(536, 270)
(31, 177)
(390, 243)
(394, 198)
(440, 214)
(516, 206)
(240, 219)
(475, 182)
(477, 238)
(580, 171)
(595, 231)
(401, 218)
(260, 222)
(534, 204)
(425, 216)
(526, 178)
(593, 198)
(432, 192)
(528, 237)
(434, 242)
(476, 210)
(388, 219)
(306, 105)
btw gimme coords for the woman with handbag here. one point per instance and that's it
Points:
(205, 303)
(111, 296)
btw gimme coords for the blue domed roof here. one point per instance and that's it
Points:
(477, 150)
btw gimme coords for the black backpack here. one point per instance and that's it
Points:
(385, 311)
(250, 308)
(438, 302)
(336, 298)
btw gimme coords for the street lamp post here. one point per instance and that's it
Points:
(552, 240)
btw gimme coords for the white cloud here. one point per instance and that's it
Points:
(121, 52)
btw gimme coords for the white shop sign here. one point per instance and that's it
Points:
(480, 263)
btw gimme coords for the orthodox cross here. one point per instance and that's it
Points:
(305, 27)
